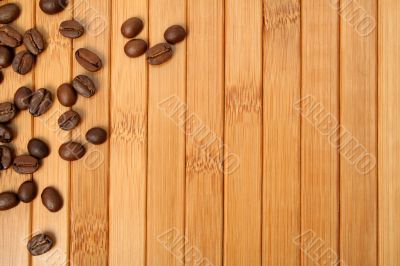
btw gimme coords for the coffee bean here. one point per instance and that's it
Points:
(84, 86)
(52, 6)
(71, 151)
(9, 13)
(39, 244)
(6, 157)
(51, 199)
(175, 34)
(158, 54)
(135, 48)
(69, 120)
(6, 56)
(1, 77)
(132, 27)
(88, 60)
(22, 98)
(96, 135)
(34, 41)
(41, 102)
(6, 134)
(23, 62)
(8, 200)
(66, 95)
(7, 112)
(9, 36)
(25, 164)
(27, 191)
(38, 149)
(71, 29)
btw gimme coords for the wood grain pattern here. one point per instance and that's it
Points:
(128, 142)
(243, 132)
(281, 163)
(389, 129)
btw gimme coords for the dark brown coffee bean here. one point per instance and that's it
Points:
(38, 149)
(51, 7)
(66, 95)
(27, 191)
(71, 29)
(41, 102)
(96, 135)
(158, 54)
(25, 164)
(71, 151)
(34, 41)
(175, 34)
(135, 48)
(6, 56)
(132, 27)
(6, 134)
(51, 199)
(8, 200)
(7, 112)
(69, 120)
(88, 60)
(22, 98)
(6, 157)
(23, 62)
(10, 37)
(1, 77)
(39, 244)
(84, 86)
(9, 13)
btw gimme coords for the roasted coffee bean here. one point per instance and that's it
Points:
(9, 13)
(9, 36)
(69, 120)
(22, 98)
(52, 6)
(71, 151)
(27, 191)
(6, 134)
(8, 200)
(39, 244)
(23, 62)
(25, 164)
(6, 157)
(7, 112)
(175, 34)
(88, 60)
(51, 199)
(96, 135)
(84, 86)
(158, 54)
(34, 41)
(41, 102)
(135, 48)
(38, 149)
(1, 77)
(132, 27)
(71, 29)
(66, 95)
(6, 56)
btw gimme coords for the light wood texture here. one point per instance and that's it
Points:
(90, 175)
(389, 130)
(204, 140)
(243, 132)
(166, 146)
(358, 98)
(15, 224)
(128, 145)
(281, 174)
(319, 156)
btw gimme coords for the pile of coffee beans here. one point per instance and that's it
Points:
(156, 55)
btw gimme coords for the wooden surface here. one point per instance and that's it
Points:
(241, 150)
